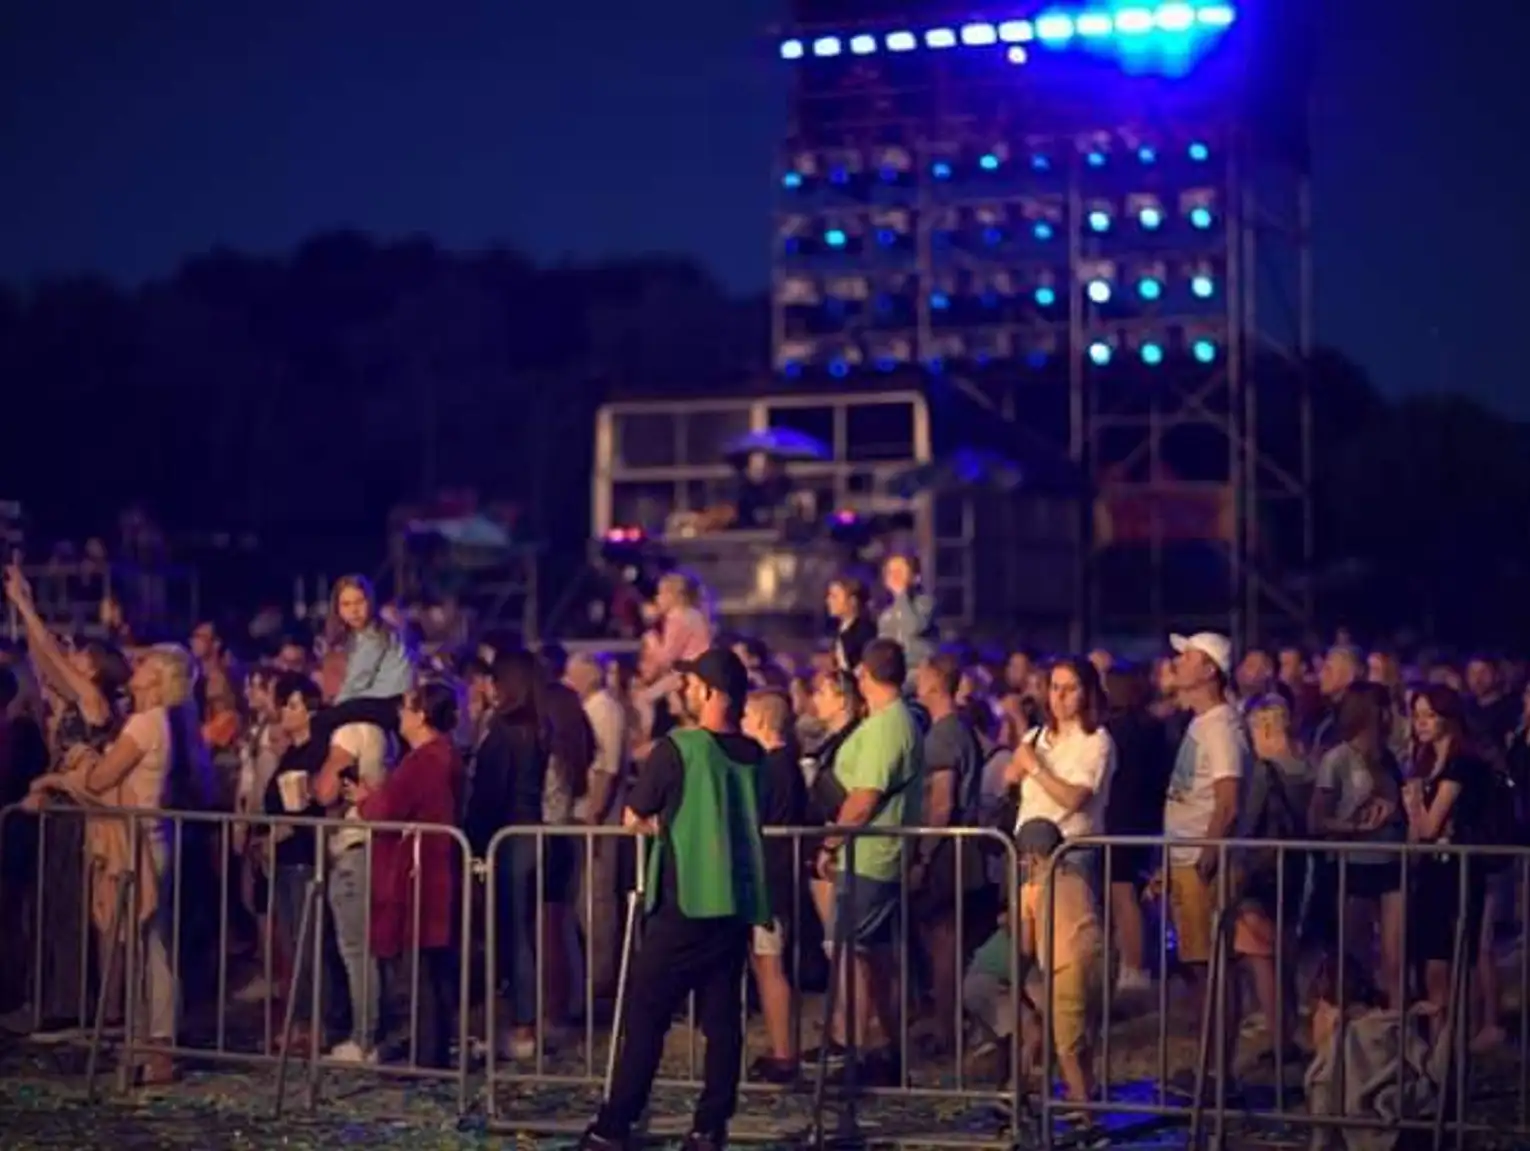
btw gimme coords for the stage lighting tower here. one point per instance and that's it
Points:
(1073, 208)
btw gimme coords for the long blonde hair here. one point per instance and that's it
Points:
(189, 784)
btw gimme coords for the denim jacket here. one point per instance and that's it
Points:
(910, 620)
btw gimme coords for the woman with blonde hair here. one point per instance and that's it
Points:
(157, 762)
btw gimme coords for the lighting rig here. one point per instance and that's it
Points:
(1057, 202)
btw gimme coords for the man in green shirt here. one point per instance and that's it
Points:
(696, 796)
(880, 766)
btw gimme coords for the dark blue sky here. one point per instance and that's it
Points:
(134, 133)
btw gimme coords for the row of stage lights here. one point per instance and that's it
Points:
(1099, 285)
(1165, 22)
(1100, 220)
(1149, 351)
(896, 167)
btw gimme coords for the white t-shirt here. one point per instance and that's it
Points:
(1073, 757)
(608, 720)
(1214, 747)
(368, 745)
(144, 784)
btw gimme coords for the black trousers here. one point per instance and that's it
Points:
(438, 1005)
(679, 956)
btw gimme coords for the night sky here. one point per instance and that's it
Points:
(133, 133)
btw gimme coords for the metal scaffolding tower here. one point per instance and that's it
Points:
(1118, 266)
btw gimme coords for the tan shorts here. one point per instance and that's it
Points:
(769, 939)
(1192, 902)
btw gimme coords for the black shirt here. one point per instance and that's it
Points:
(294, 847)
(1144, 762)
(783, 803)
(660, 786)
(851, 641)
(509, 772)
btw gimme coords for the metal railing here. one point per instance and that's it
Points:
(1427, 1090)
(505, 901)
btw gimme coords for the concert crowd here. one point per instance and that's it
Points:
(886, 724)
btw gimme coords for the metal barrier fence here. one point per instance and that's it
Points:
(130, 863)
(1263, 896)
(507, 900)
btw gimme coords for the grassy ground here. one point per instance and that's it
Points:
(42, 1101)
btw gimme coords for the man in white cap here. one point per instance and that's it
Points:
(1204, 793)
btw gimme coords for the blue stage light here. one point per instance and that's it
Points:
(1198, 152)
(1174, 17)
(826, 46)
(839, 369)
(1040, 163)
(1054, 29)
(1200, 217)
(835, 238)
(1099, 353)
(1134, 21)
(1099, 291)
(902, 41)
(1204, 351)
(791, 50)
(791, 181)
(1042, 230)
(1095, 159)
(886, 237)
(940, 301)
(1149, 288)
(989, 163)
(1017, 32)
(1094, 24)
(791, 369)
(1044, 296)
(863, 45)
(1202, 287)
(1147, 154)
(1152, 354)
(1150, 218)
(979, 35)
(1099, 220)
(940, 38)
(940, 170)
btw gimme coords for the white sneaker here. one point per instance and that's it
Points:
(352, 1052)
(254, 990)
(1133, 979)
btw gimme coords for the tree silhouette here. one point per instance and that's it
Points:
(301, 397)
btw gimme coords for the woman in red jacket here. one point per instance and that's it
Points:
(425, 788)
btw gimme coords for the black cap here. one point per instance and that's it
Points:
(721, 670)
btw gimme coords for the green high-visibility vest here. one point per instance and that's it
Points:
(714, 838)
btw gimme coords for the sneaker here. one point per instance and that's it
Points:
(831, 1053)
(768, 1069)
(352, 1052)
(254, 990)
(1133, 981)
(592, 1141)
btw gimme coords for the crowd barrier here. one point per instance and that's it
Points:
(525, 873)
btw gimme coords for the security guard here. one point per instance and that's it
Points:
(705, 890)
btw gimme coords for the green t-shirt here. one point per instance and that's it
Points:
(883, 752)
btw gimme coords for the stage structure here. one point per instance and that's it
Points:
(1091, 222)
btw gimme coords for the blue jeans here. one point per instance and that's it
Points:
(288, 888)
(348, 903)
(515, 867)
